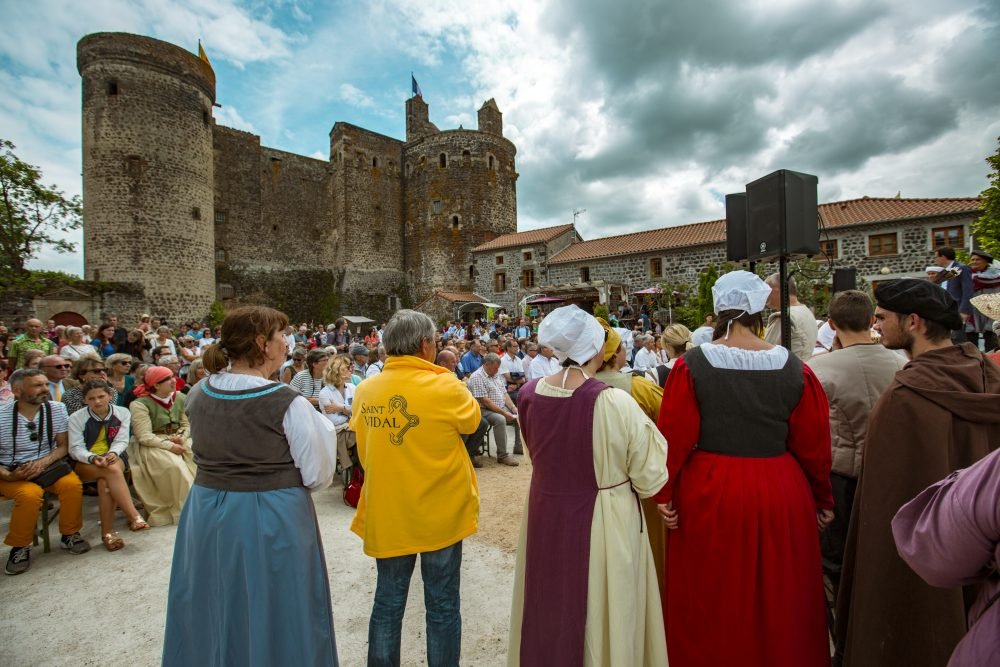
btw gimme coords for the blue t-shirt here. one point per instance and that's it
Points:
(471, 362)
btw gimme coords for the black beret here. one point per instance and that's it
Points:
(984, 255)
(920, 297)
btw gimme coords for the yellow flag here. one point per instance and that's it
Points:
(202, 54)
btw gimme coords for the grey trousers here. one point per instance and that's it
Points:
(500, 432)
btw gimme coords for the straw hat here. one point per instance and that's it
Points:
(987, 304)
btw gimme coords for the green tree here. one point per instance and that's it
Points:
(32, 215)
(987, 227)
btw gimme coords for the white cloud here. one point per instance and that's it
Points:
(230, 117)
(356, 97)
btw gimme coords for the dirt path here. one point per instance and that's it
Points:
(108, 608)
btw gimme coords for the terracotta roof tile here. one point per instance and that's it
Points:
(542, 235)
(835, 214)
(458, 296)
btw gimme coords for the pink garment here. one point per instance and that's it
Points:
(950, 535)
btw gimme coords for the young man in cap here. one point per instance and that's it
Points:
(985, 280)
(938, 415)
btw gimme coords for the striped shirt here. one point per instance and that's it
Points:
(305, 384)
(27, 449)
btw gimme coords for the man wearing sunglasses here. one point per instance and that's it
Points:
(56, 369)
(33, 442)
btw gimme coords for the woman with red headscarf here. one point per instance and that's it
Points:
(160, 449)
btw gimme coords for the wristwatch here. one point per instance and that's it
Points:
(90, 459)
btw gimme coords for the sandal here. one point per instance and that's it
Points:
(137, 524)
(112, 542)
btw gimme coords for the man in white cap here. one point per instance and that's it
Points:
(585, 582)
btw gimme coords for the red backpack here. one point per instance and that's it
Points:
(352, 491)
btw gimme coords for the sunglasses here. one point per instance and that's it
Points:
(124, 363)
(58, 366)
(32, 431)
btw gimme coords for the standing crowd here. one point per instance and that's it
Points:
(690, 491)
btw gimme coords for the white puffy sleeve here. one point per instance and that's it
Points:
(312, 442)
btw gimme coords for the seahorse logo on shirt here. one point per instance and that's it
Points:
(398, 404)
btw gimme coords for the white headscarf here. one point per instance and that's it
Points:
(572, 334)
(740, 290)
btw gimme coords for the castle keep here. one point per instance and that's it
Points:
(195, 212)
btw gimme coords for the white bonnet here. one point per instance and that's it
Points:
(572, 334)
(740, 290)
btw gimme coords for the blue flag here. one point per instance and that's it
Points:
(416, 86)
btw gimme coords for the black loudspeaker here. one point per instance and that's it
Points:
(782, 218)
(845, 279)
(736, 227)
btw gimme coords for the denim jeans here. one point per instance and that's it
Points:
(441, 572)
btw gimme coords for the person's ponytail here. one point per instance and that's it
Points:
(214, 358)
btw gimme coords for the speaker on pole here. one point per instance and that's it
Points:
(845, 279)
(736, 227)
(782, 216)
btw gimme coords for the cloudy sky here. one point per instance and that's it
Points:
(643, 112)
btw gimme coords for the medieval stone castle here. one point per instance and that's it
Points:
(193, 212)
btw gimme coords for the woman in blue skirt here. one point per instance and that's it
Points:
(249, 580)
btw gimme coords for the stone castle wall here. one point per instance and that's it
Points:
(147, 170)
(459, 191)
(195, 211)
(368, 203)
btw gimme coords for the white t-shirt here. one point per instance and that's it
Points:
(644, 360)
(541, 367)
(508, 365)
(330, 395)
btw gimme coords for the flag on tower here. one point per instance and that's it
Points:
(416, 86)
(202, 54)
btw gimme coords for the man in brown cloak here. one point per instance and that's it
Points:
(941, 413)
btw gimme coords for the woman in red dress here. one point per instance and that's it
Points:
(749, 484)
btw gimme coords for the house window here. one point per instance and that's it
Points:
(829, 248)
(112, 87)
(220, 255)
(656, 267)
(491, 161)
(528, 278)
(220, 217)
(585, 274)
(436, 204)
(224, 291)
(882, 244)
(526, 256)
(196, 212)
(953, 237)
(500, 282)
(499, 260)
(455, 222)
(442, 160)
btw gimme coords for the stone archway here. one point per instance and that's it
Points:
(69, 318)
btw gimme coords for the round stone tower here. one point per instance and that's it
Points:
(148, 184)
(460, 191)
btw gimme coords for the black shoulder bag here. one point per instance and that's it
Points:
(55, 471)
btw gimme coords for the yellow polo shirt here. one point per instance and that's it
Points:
(420, 491)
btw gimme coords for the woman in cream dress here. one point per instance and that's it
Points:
(160, 449)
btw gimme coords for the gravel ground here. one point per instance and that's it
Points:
(106, 608)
